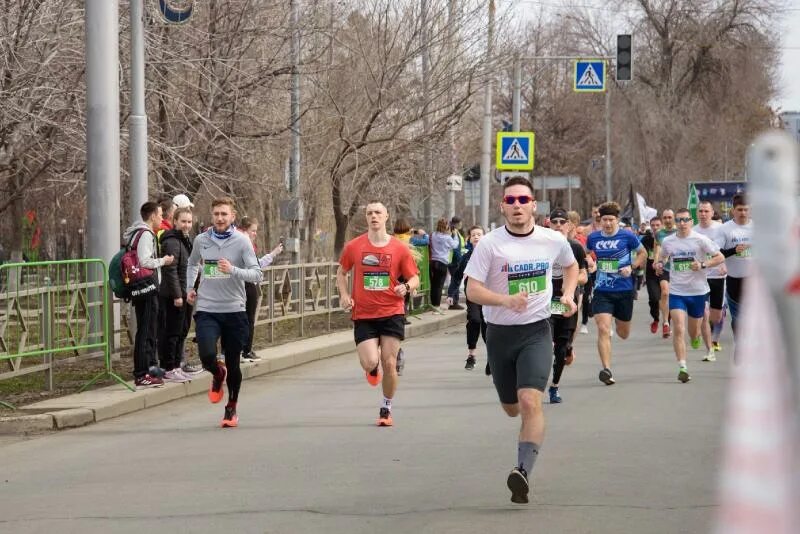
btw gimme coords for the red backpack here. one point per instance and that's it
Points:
(131, 270)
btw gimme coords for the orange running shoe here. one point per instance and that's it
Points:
(215, 391)
(385, 418)
(374, 377)
(231, 419)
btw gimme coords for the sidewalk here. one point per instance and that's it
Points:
(97, 405)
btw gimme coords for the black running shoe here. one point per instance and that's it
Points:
(470, 363)
(606, 377)
(518, 484)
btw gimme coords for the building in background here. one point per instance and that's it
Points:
(790, 121)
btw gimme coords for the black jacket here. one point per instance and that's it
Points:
(173, 277)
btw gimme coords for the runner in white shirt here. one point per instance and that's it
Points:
(687, 252)
(734, 240)
(510, 274)
(716, 283)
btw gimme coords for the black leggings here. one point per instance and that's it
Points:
(587, 299)
(251, 307)
(231, 330)
(563, 332)
(438, 275)
(653, 295)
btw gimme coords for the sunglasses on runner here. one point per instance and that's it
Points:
(558, 221)
(682, 219)
(523, 199)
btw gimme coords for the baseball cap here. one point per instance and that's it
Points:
(558, 213)
(182, 201)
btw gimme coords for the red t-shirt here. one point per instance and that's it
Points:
(376, 271)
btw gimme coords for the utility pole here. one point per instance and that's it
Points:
(102, 128)
(451, 50)
(427, 164)
(294, 159)
(609, 190)
(517, 95)
(137, 122)
(486, 144)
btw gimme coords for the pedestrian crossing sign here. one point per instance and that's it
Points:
(514, 151)
(590, 76)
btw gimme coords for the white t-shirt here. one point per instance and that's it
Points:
(711, 233)
(507, 264)
(729, 235)
(682, 251)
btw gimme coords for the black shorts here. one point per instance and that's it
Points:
(664, 276)
(617, 303)
(394, 326)
(717, 294)
(520, 356)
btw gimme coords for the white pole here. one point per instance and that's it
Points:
(486, 145)
(137, 122)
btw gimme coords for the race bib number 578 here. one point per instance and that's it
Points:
(376, 281)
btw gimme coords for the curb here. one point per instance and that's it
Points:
(83, 409)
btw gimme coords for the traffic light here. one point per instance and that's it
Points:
(473, 174)
(624, 58)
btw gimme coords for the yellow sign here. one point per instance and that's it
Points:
(514, 151)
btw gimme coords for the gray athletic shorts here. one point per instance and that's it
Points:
(520, 356)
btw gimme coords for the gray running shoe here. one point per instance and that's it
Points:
(683, 375)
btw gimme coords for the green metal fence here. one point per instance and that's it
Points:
(420, 302)
(53, 312)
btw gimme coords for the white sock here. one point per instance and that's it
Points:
(387, 403)
(682, 364)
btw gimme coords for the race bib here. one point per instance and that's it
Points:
(531, 282)
(376, 281)
(557, 307)
(746, 253)
(211, 270)
(608, 266)
(682, 265)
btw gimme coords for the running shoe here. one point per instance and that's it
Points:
(215, 391)
(665, 331)
(147, 381)
(470, 363)
(683, 375)
(696, 342)
(374, 377)
(156, 371)
(716, 346)
(584, 329)
(385, 417)
(191, 370)
(183, 374)
(251, 357)
(401, 362)
(606, 377)
(555, 398)
(230, 419)
(654, 327)
(518, 484)
(710, 356)
(174, 375)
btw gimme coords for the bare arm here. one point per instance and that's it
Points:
(341, 284)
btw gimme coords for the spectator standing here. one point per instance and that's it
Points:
(442, 245)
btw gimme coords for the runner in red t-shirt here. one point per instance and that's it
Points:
(377, 260)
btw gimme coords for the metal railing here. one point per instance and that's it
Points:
(53, 312)
(63, 311)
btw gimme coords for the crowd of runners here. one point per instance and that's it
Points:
(527, 287)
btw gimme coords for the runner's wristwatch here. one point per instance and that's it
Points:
(408, 287)
(702, 265)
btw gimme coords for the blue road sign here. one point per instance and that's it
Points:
(514, 151)
(590, 76)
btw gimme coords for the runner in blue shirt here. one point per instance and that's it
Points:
(613, 248)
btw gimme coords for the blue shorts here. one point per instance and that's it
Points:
(694, 306)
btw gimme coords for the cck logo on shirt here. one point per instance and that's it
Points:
(612, 244)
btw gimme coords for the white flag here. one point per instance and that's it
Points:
(645, 212)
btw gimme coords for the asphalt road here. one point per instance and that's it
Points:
(640, 456)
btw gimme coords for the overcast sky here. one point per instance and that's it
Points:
(789, 99)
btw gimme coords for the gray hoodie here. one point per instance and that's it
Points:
(146, 248)
(220, 292)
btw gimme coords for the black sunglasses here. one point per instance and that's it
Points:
(558, 221)
(523, 199)
(682, 219)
